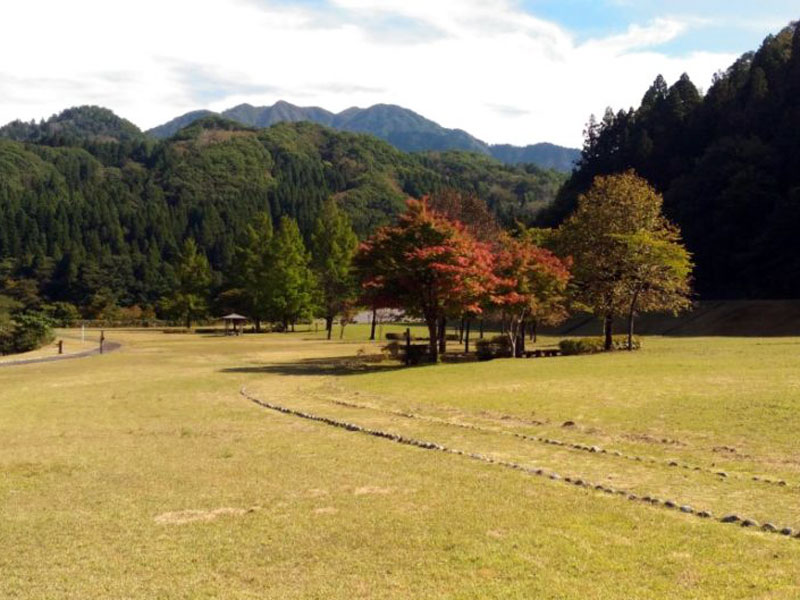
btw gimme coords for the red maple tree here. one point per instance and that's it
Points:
(531, 286)
(429, 266)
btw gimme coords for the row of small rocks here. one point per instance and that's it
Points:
(554, 442)
(575, 481)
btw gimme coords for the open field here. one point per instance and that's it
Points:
(145, 474)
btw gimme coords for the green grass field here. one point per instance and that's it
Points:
(145, 474)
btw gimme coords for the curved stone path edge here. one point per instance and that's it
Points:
(746, 523)
(594, 449)
(107, 347)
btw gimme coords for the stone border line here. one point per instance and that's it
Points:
(107, 347)
(566, 445)
(552, 475)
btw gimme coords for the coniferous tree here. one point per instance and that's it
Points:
(291, 281)
(254, 262)
(334, 245)
(190, 300)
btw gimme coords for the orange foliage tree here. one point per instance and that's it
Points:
(429, 266)
(531, 287)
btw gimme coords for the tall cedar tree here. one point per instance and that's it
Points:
(532, 287)
(193, 274)
(628, 257)
(427, 265)
(251, 292)
(291, 281)
(334, 245)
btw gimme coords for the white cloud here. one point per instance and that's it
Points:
(152, 60)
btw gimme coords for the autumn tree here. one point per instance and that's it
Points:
(627, 256)
(334, 245)
(193, 275)
(428, 265)
(474, 214)
(531, 289)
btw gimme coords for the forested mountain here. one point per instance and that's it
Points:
(103, 225)
(728, 164)
(403, 128)
(169, 129)
(110, 138)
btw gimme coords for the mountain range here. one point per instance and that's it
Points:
(401, 127)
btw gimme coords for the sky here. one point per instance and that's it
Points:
(506, 71)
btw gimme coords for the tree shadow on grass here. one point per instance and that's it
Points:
(340, 366)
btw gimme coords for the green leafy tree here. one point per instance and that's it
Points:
(193, 273)
(291, 281)
(334, 245)
(627, 257)
(658, 274)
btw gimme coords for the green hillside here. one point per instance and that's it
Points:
(91, 223)
(727, 162)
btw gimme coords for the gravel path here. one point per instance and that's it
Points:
(108, 347)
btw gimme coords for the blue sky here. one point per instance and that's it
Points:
(507, 71)
(720, 25)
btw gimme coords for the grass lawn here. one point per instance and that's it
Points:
(145, 474)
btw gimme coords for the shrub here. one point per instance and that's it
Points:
(25, 332)
(417, 353)
(498, 346)
(592, 345)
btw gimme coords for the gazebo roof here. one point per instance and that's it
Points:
(234, 317)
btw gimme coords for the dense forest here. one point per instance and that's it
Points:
(94, 213)
(727, 162)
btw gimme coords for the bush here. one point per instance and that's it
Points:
(594, 345)
(498, 346)
(25, 332)
(417, 353)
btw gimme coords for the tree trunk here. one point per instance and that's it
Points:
(461, 331)
(466, 336)
(442, 335)
(188, 321)
(534, 332)
(480, 334)
(630, 331)
(433, 339)
(329, 325)
(372, 329)
(292, 326)
(257, 322)
(521, 339)
(608, 323)
(631, 314)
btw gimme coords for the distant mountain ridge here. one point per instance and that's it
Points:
(401, 127)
